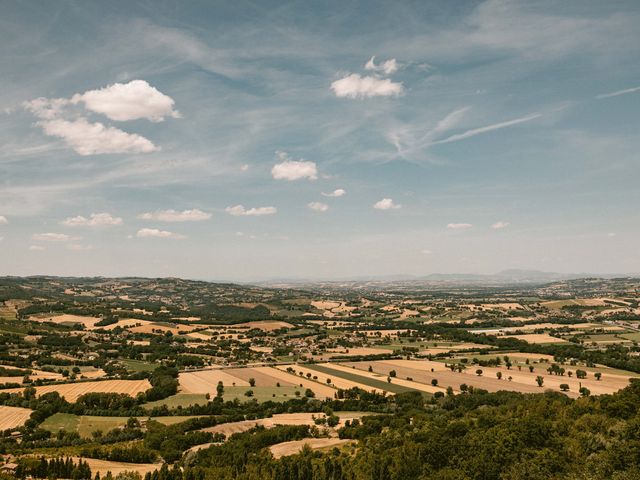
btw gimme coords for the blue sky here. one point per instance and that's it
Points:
(250, 140)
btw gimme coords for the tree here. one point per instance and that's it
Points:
(585, 392)
(220, 389)
(479, 372)
(499, 375)
(598, 375)
(328, 381)
(252, 382)
(539, 380)
(309, 393)
(333, 420)
(248, 393)
(450, 391)
(464, 387)
(530, 368)
(564, 387)
(581, 374)
(434, 382)
(392, 373)
(370, 368)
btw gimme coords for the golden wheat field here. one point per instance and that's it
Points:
(12, 417)
(71, 391)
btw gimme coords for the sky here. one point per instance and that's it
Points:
(242, 141)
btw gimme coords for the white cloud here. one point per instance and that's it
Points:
(289, 169)
(128, 101)
(318, 206)
(618, 93)
(36, 248)
(53, 237)
(427, 252)
(194, 215)
(244, 168)
(386, 204)
(95, 138)
(240, 211)
(500, 224)
(611, 234)
(94, 220)
(459, 226)
(79, 248)
(338, 192)
(155, 233)
(355, 86)
(388, 67)
(46, 108)
(3, 220)
(489, 128)
(134, 100)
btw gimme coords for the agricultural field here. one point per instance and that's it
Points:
(71, 391)
(295, 446)
(206, 381)
(179, 400)
(12, 417)
(229, 429)
(85, 425)
(103, 467)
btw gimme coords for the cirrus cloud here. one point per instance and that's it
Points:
(459, 226)
(3, 220)
(170, 215)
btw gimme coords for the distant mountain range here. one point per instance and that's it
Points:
(511, 276)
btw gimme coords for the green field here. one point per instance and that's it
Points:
(608, 338)
(634, 337)
(371, 382)
(137, 365)
(85, 425)
(180, 400)
(396, 345)
(61, 421)
(262, 394)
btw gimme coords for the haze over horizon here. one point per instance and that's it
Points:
(245, 141)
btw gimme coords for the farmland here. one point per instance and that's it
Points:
(12, 417)
(293, 447)
(169, 381)
(71, 391)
